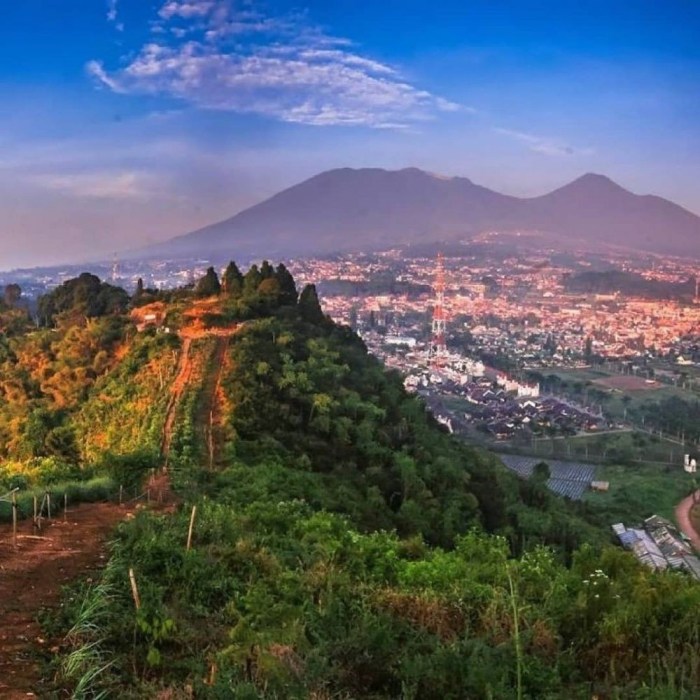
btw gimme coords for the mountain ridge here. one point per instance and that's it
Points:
(348, 209)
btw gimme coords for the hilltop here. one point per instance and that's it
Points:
(370, 209)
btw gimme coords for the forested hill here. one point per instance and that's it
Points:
(343, 545)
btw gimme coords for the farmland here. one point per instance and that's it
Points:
(569, 479)
(638, 492)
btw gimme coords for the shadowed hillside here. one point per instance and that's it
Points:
(367, 209)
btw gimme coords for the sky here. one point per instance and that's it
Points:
(125, 122)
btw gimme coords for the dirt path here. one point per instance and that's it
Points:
(683, 518)
(210, 415)
(31, 577)
(184, 370)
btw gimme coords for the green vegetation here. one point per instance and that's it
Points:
(345, 546)
(637, 492)
(85, 296)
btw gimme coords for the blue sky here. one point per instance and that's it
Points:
(131, 121)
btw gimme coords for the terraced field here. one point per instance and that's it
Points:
(570, 479)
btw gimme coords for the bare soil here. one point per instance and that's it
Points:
(685, 511)
(31, 578)
(627, 383)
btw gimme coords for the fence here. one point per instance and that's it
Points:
(45, 505)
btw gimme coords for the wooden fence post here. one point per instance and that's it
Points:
(35, 513)
(65, 507)
(48, 505)
(134, 589)
(14, 518)
(189, 533)
(121, 494)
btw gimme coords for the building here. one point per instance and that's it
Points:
(658, 544)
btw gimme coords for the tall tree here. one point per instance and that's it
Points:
(251, 281)
(309, 305)
(232, 280)
(266, 270)
(209, 285)
(138, 293)
(288, 288)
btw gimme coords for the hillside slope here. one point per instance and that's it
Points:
(345, 546)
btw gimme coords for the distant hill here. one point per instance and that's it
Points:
(368, 209)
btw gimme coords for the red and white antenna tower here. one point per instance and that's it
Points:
(438, 348)
(697, 290)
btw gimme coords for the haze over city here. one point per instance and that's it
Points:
(126, 123)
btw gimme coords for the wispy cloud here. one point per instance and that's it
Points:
(213, 56)
(113, 14)
(542, 144)
(99, 185)
(96, 70)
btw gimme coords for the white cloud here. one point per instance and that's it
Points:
(215, 57)
(96, 71)
(543, 144)
(186, 10)
(111, 10)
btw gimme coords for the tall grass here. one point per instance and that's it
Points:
(91, 491)
(85, 667)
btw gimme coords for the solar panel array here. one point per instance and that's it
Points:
(570, 479)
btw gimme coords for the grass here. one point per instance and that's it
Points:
(91, 491)
(613, 401)
(637, 492)
(629, 447)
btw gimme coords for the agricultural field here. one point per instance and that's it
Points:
(627, 382)
(618, 395)
(640, 491)
(623, 446)
(569, 479)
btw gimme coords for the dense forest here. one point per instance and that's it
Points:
(344, 546)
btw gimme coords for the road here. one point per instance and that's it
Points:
(683, 519)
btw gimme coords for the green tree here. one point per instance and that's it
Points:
(266, 270)
(269, 288)
(288, 288)
(81, 298)
(251, 281)
(309, 305)
(232, 280)
(138, 292)
(209, 285)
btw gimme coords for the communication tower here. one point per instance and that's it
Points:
(438, 348)
(697, 290)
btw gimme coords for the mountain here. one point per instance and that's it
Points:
(595, 209)
(347, 209)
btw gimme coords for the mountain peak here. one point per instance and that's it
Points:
(374, 208)
(594, 180)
